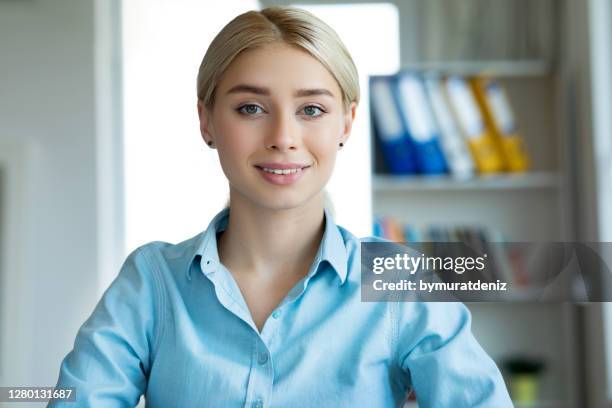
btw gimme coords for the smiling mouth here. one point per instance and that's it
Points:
(282, 177)
(282, 172)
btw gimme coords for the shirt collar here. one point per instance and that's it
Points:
(332, 248)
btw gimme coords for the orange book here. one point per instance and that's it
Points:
(478, 136)
(499, 117)
(393, 230)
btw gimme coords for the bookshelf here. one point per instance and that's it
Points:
(530, 206)
(499, 68)
(534, 49)
(531, 180)
(540, 404)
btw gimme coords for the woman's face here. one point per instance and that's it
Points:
(277, 105)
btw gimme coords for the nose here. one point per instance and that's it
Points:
(283, 133)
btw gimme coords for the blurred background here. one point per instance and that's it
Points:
(100, 153)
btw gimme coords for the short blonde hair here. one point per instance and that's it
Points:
(278, 24)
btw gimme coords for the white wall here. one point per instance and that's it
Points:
(600, 32)
(166, 160)
(47, 108)
(174, 184)
(582, 68)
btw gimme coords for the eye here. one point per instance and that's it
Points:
(310, 110)
(249, 109)
(252, 109)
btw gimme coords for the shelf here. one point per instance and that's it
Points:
(500, 68)
(500, 181)
(521, 295)
(538, 404)
(542, 404)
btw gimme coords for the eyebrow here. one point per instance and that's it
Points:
(244, 88)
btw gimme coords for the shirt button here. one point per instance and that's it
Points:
(263, 358)
(276, 314)
(258, 403)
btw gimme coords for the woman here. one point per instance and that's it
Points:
(263, 308)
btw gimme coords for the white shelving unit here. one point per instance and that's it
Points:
(532, 180)
(501, 68)
(535, 206)
(539, 404)
(530, 206)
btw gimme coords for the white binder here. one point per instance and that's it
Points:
(456, 151)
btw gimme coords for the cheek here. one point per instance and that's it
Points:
(323, 138)
(237, 138)
(228, 127)
(233, 154)
(323, 151)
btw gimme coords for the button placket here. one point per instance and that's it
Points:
(271, 326)
(261, 378)
(263, 358)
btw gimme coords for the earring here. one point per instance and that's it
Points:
(341, 144)
(210, 143)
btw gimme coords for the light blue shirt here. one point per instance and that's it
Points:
(174, 326)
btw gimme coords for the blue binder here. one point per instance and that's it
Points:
(377, 227)
(419, 120)
(391, 132)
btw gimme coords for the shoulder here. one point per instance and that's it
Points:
(378, 246)
(354, 243)
(351, 240)
(170, 250)
(359, 250)
(165, 257)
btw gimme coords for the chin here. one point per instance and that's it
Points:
(276, 197)
(281, 201)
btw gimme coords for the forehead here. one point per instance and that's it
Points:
(279, 67)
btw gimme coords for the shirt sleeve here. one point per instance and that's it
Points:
(445, 362)
(110, 360)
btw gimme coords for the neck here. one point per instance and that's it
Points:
(268, 242)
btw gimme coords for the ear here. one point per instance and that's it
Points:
(348, 119)
(204, 116)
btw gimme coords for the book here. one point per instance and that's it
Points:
(479, 137)
(390, 130)
(499, 117)
(418, 118)
(458, 156)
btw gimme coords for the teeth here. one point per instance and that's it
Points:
(279, 171)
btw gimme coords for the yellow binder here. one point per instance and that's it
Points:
(393, 230)
(499, 117)
(478, 136)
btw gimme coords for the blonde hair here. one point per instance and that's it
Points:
(278, 24)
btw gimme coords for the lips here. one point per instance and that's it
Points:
(282, 166)
(282, 179)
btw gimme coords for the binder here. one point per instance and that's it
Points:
(418, 119)
(458, 156)
(479, 138)
(499, 117)
(392, 229)
(377, 228)
(395, 144)
(412, 234)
